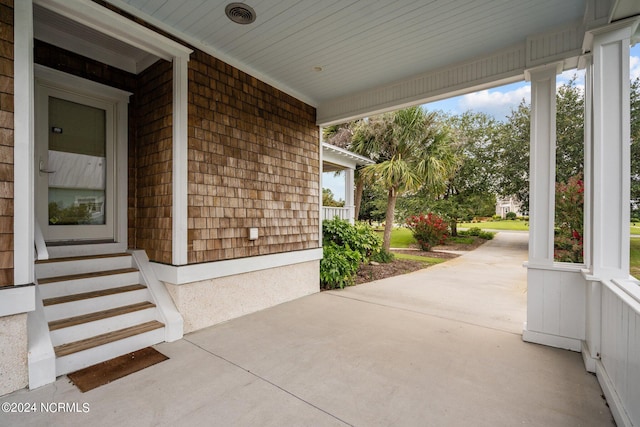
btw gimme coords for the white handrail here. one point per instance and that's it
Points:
(41, 246)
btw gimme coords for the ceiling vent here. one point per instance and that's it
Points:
(240, 13)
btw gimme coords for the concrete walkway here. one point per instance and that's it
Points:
(437, 347)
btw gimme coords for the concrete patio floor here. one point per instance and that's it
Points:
(437, 347)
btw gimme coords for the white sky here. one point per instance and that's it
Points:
(497, 102)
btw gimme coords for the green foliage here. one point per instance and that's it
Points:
(328, 199)
(635, 147)
(511, 216)
(428, 230)
(568, 240)
(373, 206)
(511, 147)
(411, 151)
(345, 246)
(70, 215)
(338, 266)
(383, 257)
(478, 232)
(634, 258)
(496, 217)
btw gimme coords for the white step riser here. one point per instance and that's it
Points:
(91, 305)
(70, 287)
(82, 359)
(64, 268)
(102, 326)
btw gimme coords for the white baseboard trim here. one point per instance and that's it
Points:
(17, 299)
(551, 340)
(613, 400)
(180, 275)
(589, 361)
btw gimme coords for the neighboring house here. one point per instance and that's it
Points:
(504, 206)
(336, 159)
(193, 143)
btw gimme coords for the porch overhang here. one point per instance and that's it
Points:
(335, 159)
(388, 56)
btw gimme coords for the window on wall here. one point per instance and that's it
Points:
(569, 200)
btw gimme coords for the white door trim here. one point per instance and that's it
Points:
(108, 22)
(57, 80)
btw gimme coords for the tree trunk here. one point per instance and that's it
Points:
(358, 197)
(454, 228)
(391, 206)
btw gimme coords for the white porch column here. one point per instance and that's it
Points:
(555, 295)
(542, 163)
(349, 194)
(180, 160)
(610, 132)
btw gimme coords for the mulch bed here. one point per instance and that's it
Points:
(369, 273)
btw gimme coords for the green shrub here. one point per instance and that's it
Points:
(496, 217)
(474, 231)
(568, 241)
(338, 266)
(345, 246)
(486, 235)
(477, 232)
(511, 216)
(359, 237)
(383, 257)
(428, 230)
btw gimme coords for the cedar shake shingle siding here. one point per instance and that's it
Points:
(6, 142)
(253, 162)
(253, 159)
(153, 161)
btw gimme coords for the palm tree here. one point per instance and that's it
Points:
(411, 152)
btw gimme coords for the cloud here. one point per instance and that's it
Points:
(496, 102)
(634, 65)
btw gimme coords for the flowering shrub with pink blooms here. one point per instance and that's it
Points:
(568, 241)
(428, 230)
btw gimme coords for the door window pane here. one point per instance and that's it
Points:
(77, 163)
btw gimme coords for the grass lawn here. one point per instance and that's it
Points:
(634, 258)
(497, 225)
(426, 259)
(635, 228)
(401, 237)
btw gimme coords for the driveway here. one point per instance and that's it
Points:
(437, 347)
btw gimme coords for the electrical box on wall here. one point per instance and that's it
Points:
(253, 233)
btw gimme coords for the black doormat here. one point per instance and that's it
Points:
(103, 373)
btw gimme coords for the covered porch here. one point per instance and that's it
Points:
(308, 64)
(336, 159)
(392, 352)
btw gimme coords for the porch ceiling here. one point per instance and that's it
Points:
(326, 52)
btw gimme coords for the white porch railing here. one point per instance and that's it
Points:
(346, 213)
(41, 247)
